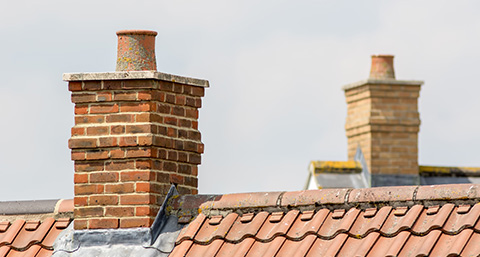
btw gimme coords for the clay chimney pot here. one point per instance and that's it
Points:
(136, 50)
(382, 67)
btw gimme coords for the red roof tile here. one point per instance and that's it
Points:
(30, 238)
(390, 221)
(33, 233)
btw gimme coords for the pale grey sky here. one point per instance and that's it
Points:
(275, 68)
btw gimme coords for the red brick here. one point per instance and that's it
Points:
(80, 201)
(143, 187)
(143, 117)
(120, 188)
(117, 153)
(165, 85)
(78, 156)
(184, 123)
(107, 141)
(88, 212)
(103, 200)
(79, 224)
(125, 96)
(170, 98)
(88, 189)
(137, 107)
(191, 113)
(144, 95)
(146, 211)
(194, 158)
(78, 131)
(134, 129)
(170, 166)
(143, 175)
(142, 152)
(137, 199)
(102, 223)
(135, 222)
(178, 111)
(95, 131)
(191, 181)
(198, 91)
(82, 143)
(180, 100)
(89, 119)
(176, 179)
(177, 88)
(121, 117)
(118, 129)
(127, 141)
(113, 84)
(120, 165)
(89, 166)
(84, 98)
(195, 171)
(170, 121)
(195, 124)
(190, 101)
(81, 109)
(164, 108)
(104, 96)
(185, 169)
(104, 177)
(75, 86)
(80, 178)
(145, 140)
(171, 132)
(140, 83)
(119, 211)
(92, 85)
(104, 108)
(143, 164)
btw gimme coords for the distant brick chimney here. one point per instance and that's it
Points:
(135, 134)
(383, 122)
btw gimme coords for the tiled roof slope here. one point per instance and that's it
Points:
(32, 232)
(391, 221)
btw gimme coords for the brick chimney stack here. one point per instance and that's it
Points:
(383, 122)
(135, 134)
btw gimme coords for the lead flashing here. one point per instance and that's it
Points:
(382, 82)
(124, 75)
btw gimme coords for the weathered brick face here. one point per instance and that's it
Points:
(132, 139)
(383, 120)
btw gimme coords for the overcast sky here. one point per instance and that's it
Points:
(276, 69)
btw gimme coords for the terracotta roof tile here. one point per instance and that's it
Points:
(31, 238)
(372, 222)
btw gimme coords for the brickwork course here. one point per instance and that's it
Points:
(133, 138)
(383, 120)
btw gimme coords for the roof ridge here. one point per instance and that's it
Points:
(191, 205)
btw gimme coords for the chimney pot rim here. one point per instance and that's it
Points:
(383, 55)
(137, 32)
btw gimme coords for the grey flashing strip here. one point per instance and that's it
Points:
(123, 75)
(383, 82)
(27, 207)
(161, 218)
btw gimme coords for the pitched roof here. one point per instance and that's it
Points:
(29, 228)
(391, 221)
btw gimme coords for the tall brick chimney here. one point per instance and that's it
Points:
(383, 122)
(135, 134)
